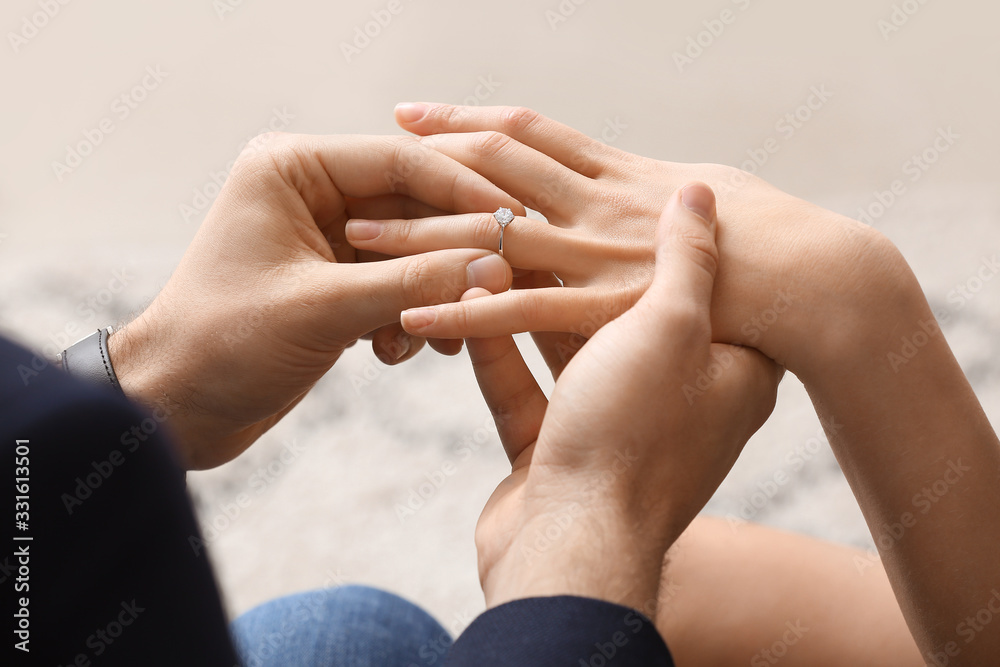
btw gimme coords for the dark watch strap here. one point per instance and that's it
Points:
(89, 361)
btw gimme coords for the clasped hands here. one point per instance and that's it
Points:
(316, 242)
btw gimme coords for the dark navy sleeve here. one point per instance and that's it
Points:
(104, 566)
(560, 631)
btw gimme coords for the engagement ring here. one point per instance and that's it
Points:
(503, 216)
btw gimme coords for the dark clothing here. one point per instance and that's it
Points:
(110, 568)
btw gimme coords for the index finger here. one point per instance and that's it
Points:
(514, 398)
(326, 169)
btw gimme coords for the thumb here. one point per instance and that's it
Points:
(372, 294)
(686, 253)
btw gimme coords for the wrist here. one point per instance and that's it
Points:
(128, 348)
(145, 372)
(836, 285)
(858, 316)
(573, 548)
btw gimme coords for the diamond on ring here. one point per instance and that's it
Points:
(503, 216)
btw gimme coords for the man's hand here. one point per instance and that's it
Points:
(269, 294)
(634, 442)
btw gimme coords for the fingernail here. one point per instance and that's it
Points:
(363, 230)
(699, 199)
(410, 112)
(489, 272)
(400, 346)
(418, 318)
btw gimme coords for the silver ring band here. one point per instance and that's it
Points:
(503, 216)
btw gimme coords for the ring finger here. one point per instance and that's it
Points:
(527, 244)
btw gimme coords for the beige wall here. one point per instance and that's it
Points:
(606, 60)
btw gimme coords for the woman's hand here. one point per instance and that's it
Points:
(827, 297)
(789, 268)
(644, 424)
(268, 295)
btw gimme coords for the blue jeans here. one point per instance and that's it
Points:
(350, 626)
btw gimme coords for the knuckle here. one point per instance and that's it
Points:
(268, 151)
(700, 248)
(416, 279)
(529, 308)
(403, 145)
(401, 234)
(446, 114)
(461, 317)
(517, 121)
(427, 282)
(268, 160)
(406, 153)
(490, 144)
(485, 230)
(265, 145)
